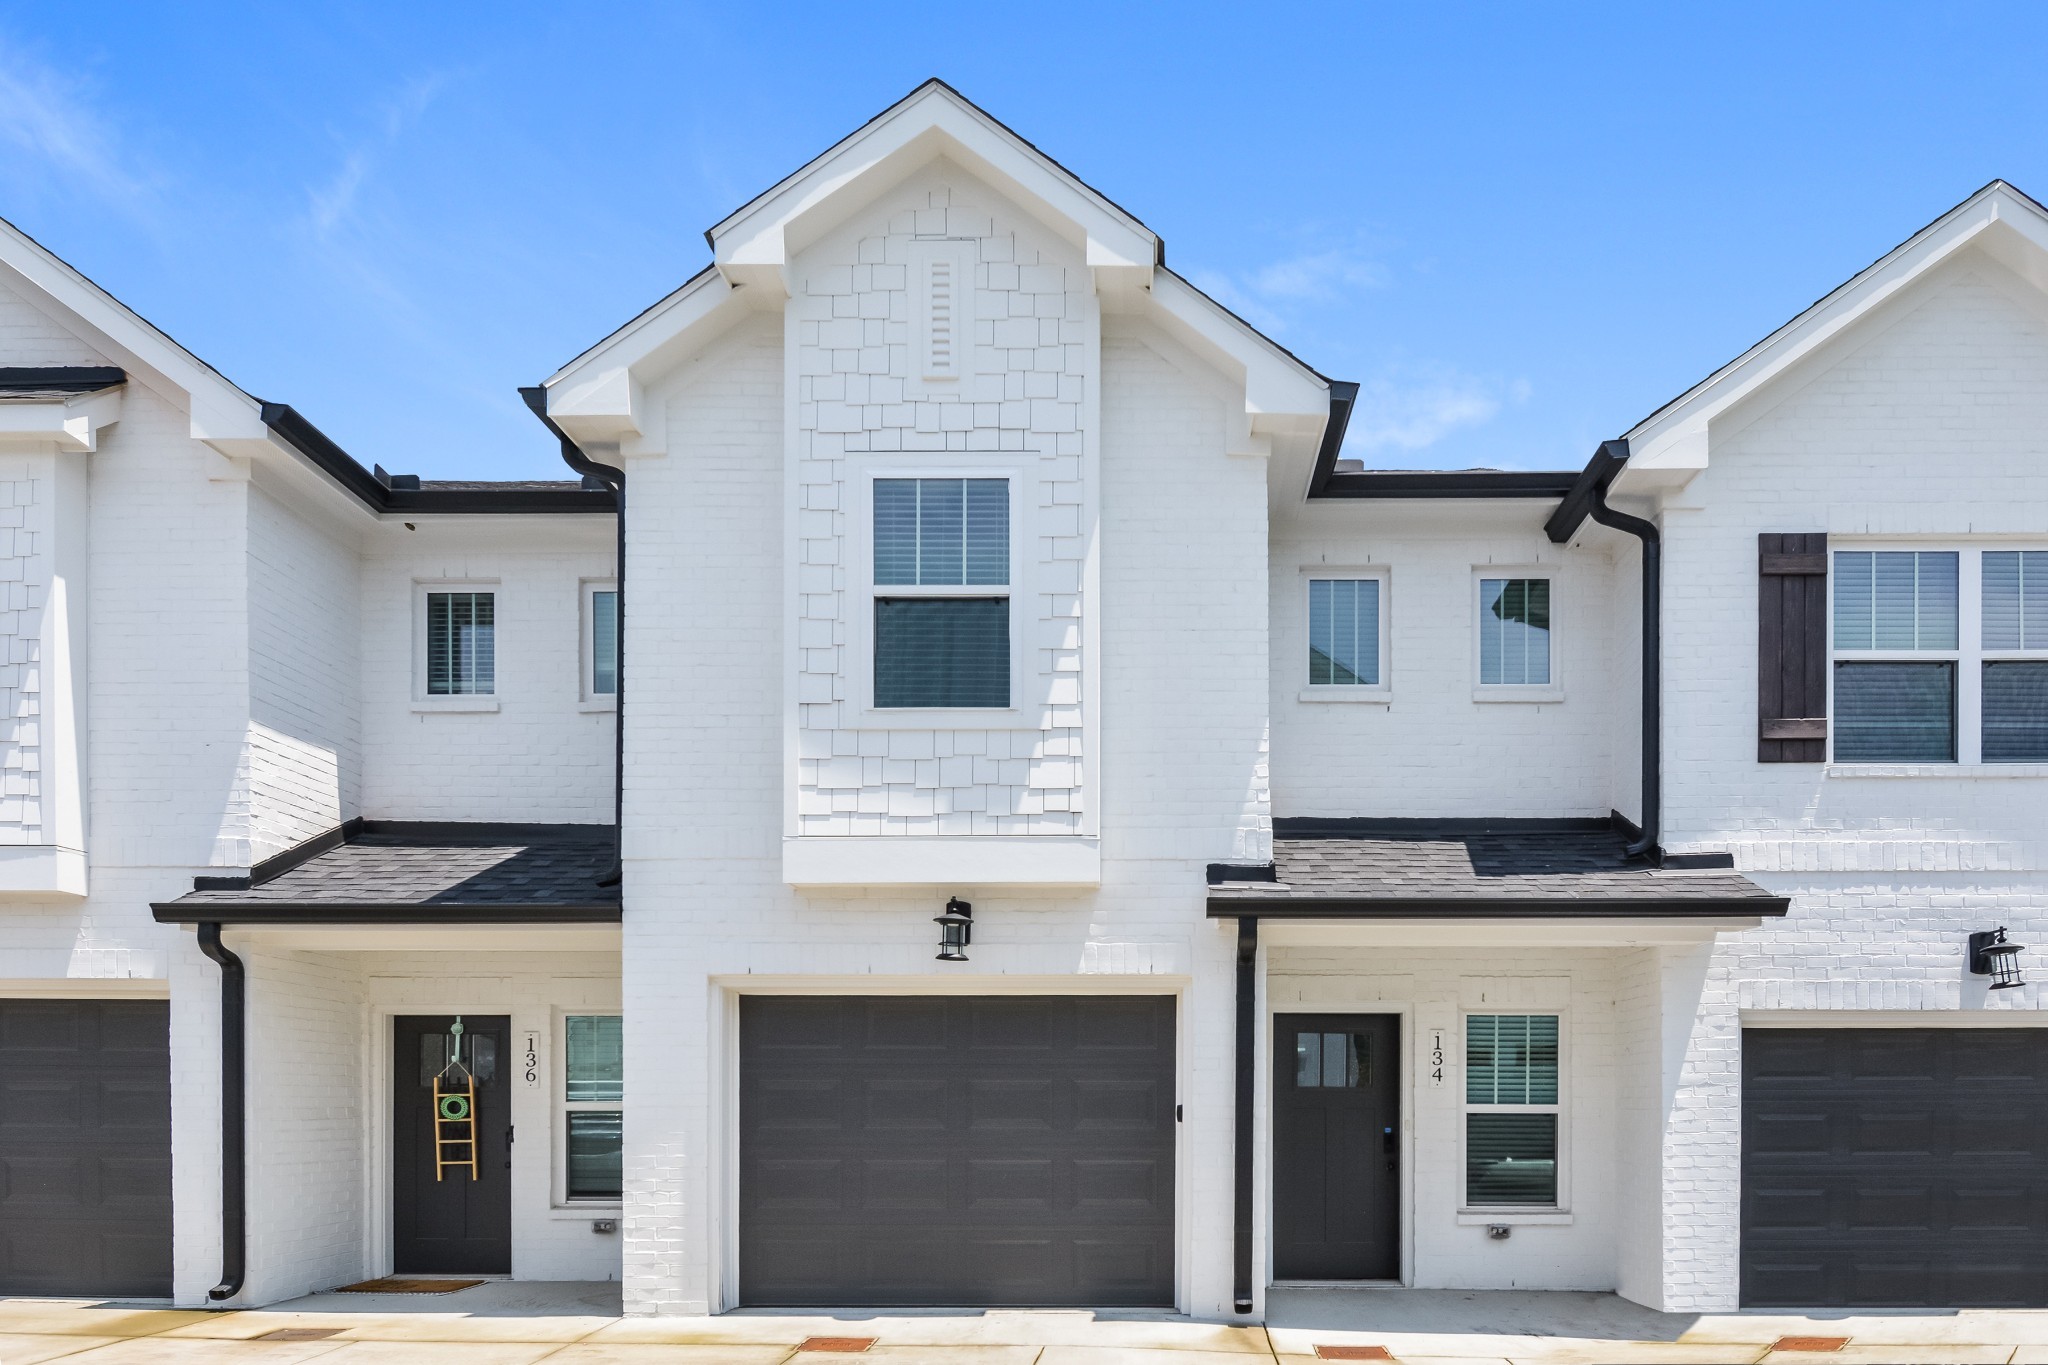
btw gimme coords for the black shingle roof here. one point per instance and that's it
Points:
(429, 873)
(1397, 869)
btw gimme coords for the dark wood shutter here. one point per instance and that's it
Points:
(1792, 649)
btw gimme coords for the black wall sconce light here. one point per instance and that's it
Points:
(1993, 956)
(956, 930)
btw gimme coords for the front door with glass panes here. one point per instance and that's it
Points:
(1336, 1147)
(449, 1216)
(593, 1093)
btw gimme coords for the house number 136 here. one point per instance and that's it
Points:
(1436, 1059)
(529, 1059)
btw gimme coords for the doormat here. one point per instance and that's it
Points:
(847, 1346)
(1353, 1353)
(392, 1285)
(1809, 1343)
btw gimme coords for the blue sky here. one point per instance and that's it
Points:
(1520, 227)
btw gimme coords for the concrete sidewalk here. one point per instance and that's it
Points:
(503, 1323)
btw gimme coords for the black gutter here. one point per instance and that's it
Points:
(60, 378)
(1343, 398)
(1447, 483)
(234, 1166)
(1247, 1059)
(1252, 905)
(398, 494)
(614, 478)
(1589, 498)
(203, 912)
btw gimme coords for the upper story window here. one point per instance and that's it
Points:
(1514, 632)
(601, 640)
(1511, 1110)
(1344, 632)
(1940, 656)
(941, 593)
(461, 644)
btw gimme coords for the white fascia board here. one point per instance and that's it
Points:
(600, 396)
(942, 860)
(1533, 932)
(754, 244)
(1280, 392)
(220, 412)
(71, 424)
(1674, 436)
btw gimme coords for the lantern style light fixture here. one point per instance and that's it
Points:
(956, 930)
(1992, 955)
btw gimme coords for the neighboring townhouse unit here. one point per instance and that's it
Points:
(968, 799)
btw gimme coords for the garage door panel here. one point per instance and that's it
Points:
(1022, 1155)
(1893, 1169)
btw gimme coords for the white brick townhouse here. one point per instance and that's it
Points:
(1023, 822)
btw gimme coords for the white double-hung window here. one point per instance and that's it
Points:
(941, 625)
(1940, 655)
(592, 1112)
(1512, 1111)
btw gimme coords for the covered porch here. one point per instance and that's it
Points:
(400, 1055)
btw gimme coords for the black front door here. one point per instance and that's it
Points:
(454, 1224)
(1336, 1147)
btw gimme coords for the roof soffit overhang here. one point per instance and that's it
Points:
(1671, 446)
(604, 397)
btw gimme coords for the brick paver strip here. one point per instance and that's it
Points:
(1809, 1343)
(1353, 1353)
(850, 1346)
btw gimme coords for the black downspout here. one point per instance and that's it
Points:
(615, 479)
(1645, 845)
(234, 1191)
(1247, 1059)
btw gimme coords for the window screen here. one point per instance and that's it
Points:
(604, 643)
(596, 1067)
(2016, 599)
(596, 1166)
(461, 653)
(1510, 1159)
(1895, 712)
(942, 651)
(1511, 1059)
(1344, 632)
(1514, 631)
(1895, 599)
(2015, 711)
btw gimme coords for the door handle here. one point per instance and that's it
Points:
(1391, 1146)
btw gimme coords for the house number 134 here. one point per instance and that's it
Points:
(1436, 1059)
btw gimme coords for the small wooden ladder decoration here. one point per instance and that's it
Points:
(455, 1111)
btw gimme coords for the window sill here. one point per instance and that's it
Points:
(946, 718)
(1966, 770)
(1499, 692)
(1371, 696)
(473, 705)
(1525, 1218)
(584, 1213)
(595, 705)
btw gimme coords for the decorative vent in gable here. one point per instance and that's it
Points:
(942, 307)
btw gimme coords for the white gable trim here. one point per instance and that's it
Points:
(1672, 441)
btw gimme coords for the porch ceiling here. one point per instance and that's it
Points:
(1512, 869)
(406, 873)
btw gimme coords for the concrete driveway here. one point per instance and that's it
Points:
(500, 1323)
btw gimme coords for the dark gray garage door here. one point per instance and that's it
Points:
(85, 1147)
(962, 1151)
(1895, 1168)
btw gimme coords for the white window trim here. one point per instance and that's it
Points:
(1969, 657)
(860, 627)
(1538, 693)
(1380, 693)
(589, 698)
(1509, 1213)
(560, 1106)
(473, 702)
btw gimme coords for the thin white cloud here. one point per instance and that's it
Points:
(1398, 413)
(50, 124)
(332, 202)
(1271, 296)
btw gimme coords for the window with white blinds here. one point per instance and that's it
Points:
(941, 593)
(1344, 632)
(1512, 1110)
(461, 644)
(601, 641)
(1940, 655)
(1514, 632)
